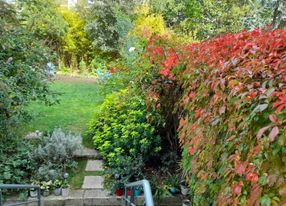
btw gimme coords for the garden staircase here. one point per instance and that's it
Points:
(92, 192)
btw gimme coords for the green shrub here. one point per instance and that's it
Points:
(120, 128)
(55, 155)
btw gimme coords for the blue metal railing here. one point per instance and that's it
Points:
(146, 189)
(15, 187)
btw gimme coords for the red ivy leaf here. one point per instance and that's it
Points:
(240, 168)
(261, 132)
(198, 113)
(273, 118)
(252, 177)
(280, 108)
(191, 151)
(283, 97)
(254, 195)
(236, 190)
(222, 110)
(273, 134)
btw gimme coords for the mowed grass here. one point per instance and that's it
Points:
(78, 101)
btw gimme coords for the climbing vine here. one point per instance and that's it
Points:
(232, 125)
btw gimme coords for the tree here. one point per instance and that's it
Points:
(76, 45)
(202, 18)
(23, 76)
(102, 23)
(43, 19)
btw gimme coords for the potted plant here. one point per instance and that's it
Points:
(33, 191)
(137, 191)
(186, 202)
(57, 184)
(173, 184)
(118, 188)
(184, 188)
(65, 188)
(45, 188)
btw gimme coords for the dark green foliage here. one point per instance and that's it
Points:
(101, 26)
(105, 22)
(16, 164)
(202, 18)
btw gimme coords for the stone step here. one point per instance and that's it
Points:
(87, 153)
(93, 182)
(82, 198)
(94, 165)
(98, 198)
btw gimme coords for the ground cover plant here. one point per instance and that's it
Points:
(232, 121)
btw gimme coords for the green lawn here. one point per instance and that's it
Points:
(78, 102)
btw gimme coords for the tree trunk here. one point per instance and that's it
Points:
(279, 16)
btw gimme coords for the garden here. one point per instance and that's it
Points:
(188, 94)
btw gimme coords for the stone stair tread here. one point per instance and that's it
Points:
(93, 182)
(87, 153)
(94, 165)
(100, 193)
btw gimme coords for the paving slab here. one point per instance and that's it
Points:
(87, 153)
(94, 165)
(92, 182)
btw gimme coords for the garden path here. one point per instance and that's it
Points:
(93, 182)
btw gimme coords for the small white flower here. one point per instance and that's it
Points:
(131, 49)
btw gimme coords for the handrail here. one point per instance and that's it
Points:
(16, 186)
(146, 189)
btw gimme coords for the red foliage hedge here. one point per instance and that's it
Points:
(233, 125)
